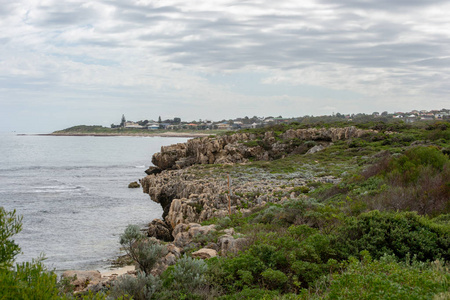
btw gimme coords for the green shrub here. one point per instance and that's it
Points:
(251, 294)
(145, 252)
(187, 274)
(245, 277)
(141, 287)
(28, 281)
(300, 190)
(398, 234)
(408, 167)
(301, 232)
(388, 279)
(10, 224)
(268, 255)
(417, 180)
(308, 272)
(274, 279)
(268, 215)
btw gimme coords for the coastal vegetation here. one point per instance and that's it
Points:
(97, 130)
(366, 217)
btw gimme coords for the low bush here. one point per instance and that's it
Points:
(387, 279)
(141, 287)
(145, 252)
(28, 281)
(274, 279)
(187, 274)
(398, 234)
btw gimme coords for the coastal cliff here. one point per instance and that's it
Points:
(194, 194)
(241, 147)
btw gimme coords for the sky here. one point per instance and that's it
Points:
(69, 62)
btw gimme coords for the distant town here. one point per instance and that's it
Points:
(258, 122)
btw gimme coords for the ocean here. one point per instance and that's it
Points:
(73, 194)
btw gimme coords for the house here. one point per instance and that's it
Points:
(411, 119)
(133, 125)
(164, 125)
(223, 126)
(427, 117)
(153, 126)
(442, 115)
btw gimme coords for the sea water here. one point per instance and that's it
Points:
(73, 194)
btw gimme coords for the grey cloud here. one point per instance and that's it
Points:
(63, 15)
(434, 62)
(285, 40)
(388, 5)
(8, 8)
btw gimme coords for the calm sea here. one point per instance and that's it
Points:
(73, 194)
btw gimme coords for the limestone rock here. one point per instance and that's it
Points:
(160, 230)
(134, 185)
(186, 233)
(228, 244)
(174, 250)
(204, 253)
(315, 149)
(227, 149)
(83, 278)
(153, 170)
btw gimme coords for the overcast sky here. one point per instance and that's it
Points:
(65, 63)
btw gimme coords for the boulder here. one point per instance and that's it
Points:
(228, 244)
(204, 253)
(82, 279)
(315, 149)
(134, 185)
(160, 230)
(153, 170)
(184, 233)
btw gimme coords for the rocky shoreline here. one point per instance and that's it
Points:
(211, 177)
(195, 195)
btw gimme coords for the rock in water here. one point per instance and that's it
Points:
(133, 185)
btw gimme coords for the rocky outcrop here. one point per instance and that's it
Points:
(82, 279)
(228, 244)
(159, 230)
(240, 147)
(185, 233)
(188, 197)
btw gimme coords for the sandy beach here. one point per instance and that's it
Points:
(117, 272)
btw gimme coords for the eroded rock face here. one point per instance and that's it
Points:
(234, 149)
(187, 198)
(185, 233)
(160, 230)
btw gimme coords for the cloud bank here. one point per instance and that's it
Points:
(69, 62)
